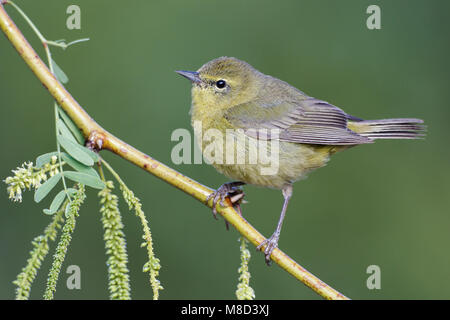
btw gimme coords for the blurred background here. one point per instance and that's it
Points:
(385, 204)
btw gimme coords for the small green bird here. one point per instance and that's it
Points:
(229, 95)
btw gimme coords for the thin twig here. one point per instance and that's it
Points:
(104, 140)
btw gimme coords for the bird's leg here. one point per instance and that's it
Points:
(272, 242)
(229, 190)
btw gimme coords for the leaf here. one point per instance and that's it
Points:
(73, 128)
(85, 178)
(78, 165)
(66, 212)
(59, 74)
(45, 158)
(65, 132)
(56, 203)
(75, 150)
(46, 187)
(93, 155)
(49, 212)
(58, 200)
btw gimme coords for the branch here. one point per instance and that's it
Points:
(102, 139)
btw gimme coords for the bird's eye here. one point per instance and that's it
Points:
(221, 84)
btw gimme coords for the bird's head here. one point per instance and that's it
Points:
(223, 83)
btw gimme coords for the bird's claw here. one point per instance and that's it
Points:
(270, 243)
(229, 190)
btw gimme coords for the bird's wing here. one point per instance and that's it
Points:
(309, 120)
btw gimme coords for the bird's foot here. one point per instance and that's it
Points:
(228, 190)
(270, 243)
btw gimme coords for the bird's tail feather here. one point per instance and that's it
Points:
(407, 128)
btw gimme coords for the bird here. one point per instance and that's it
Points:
(229, 95)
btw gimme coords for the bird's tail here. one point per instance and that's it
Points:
(389, 128)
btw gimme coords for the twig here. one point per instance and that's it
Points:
(101, 139)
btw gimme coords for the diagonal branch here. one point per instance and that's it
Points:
(102, 139)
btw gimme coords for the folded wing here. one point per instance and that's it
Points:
(309, 121)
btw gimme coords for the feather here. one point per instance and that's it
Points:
(401, 128)
(307, 120)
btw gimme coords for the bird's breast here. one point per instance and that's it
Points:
(268, 163)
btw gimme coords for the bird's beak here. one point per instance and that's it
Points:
(191, 75)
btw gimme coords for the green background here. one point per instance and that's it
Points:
(385, 204)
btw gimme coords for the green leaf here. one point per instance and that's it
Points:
(65, 132)
(58, 200)
(45, 158)
(93, 155)
(66, 212)
(49, 212)
(73, 128)
(56, 203)
(60, 75)
(85, 178)
(78, 165)
(77, 151)
(46, 187)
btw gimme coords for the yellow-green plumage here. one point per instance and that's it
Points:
(296, 160)
(230, 94)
